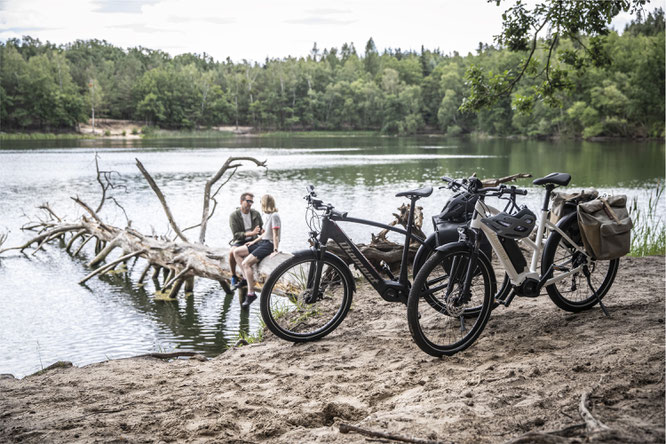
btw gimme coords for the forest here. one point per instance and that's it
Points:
(52, 88)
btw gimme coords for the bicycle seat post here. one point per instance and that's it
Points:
(408, 240)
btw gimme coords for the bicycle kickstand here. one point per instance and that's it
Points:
(596, 295)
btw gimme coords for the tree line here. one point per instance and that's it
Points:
(44, 87)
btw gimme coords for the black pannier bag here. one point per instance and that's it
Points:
(605, 227)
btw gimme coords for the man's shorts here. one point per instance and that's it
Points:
(261, 249)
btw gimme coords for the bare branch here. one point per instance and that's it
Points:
(177, 277)
(511, 178)
(205, 216)
(45, 206)
(160, 196)
(111, 265)
(41, 237)
(113, 199)
(529, 58)
(347, 428)
(101, 184)
(592, 423)
(90, 211)
(71, 241)
(82, 244)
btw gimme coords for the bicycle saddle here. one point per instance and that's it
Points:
(421, 192)
(554, 178)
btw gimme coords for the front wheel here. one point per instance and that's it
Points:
(581, 290)
(443, 320)
(295, 311)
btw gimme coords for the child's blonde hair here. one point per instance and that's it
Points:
(268, 204)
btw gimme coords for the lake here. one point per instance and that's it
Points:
(47, 316)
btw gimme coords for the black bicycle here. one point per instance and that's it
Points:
(308, 296)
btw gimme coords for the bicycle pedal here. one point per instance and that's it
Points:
(386, 269)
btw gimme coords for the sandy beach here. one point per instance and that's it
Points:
(525, 375)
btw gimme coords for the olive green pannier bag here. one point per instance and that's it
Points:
(605, 227)
(565, 203)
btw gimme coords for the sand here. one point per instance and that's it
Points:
(526, 374)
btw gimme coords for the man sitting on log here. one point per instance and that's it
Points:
(246, 225)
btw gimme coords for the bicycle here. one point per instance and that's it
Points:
(458, 280)
(308, 296)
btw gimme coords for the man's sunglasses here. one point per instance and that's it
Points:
(249, 201)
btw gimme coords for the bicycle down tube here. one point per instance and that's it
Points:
(390, 290)
(536, 247)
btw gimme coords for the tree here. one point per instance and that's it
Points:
(556, 19)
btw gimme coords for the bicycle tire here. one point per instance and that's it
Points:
(425, 322)
(284, 304)
(578, 296)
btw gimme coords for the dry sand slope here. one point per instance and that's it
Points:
(526, 373)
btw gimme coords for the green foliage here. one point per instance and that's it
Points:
(649, 234)
(614, 90)
(521, 28)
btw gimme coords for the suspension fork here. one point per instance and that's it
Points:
(473, 261)
(314, 273)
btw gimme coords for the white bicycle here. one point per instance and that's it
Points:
(455, 290)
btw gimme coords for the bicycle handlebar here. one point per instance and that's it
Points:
(319, 204)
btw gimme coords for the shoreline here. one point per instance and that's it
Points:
(128, 130)
(527, 373)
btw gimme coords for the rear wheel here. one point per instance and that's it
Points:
(581, 290)
(442, 320)
(294, 310)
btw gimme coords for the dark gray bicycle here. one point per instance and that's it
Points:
(308, 296)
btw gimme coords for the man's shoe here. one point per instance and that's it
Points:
(234, 281)
(249, 299)
(240, 284)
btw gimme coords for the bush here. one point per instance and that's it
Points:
(107, 132)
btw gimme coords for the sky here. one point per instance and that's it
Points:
(256, 29)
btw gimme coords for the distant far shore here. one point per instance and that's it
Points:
(132, 129)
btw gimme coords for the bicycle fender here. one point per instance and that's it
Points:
(550, 240)
(465, 246)
(333, 258)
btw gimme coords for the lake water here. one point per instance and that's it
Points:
(47, 316)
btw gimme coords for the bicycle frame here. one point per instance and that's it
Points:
(389, 289)
(482, 209)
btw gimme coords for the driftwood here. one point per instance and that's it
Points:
(511, 178)
(348, 428)
(179, 260)
(381, 249)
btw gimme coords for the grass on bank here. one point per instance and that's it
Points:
(44, 136)
(149, 132)
(648, 237)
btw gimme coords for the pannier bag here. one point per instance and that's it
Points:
(605, 227)
(565, 203)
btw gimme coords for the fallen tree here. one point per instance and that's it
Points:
(177, 261)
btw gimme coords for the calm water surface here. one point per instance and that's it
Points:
(46, 316)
